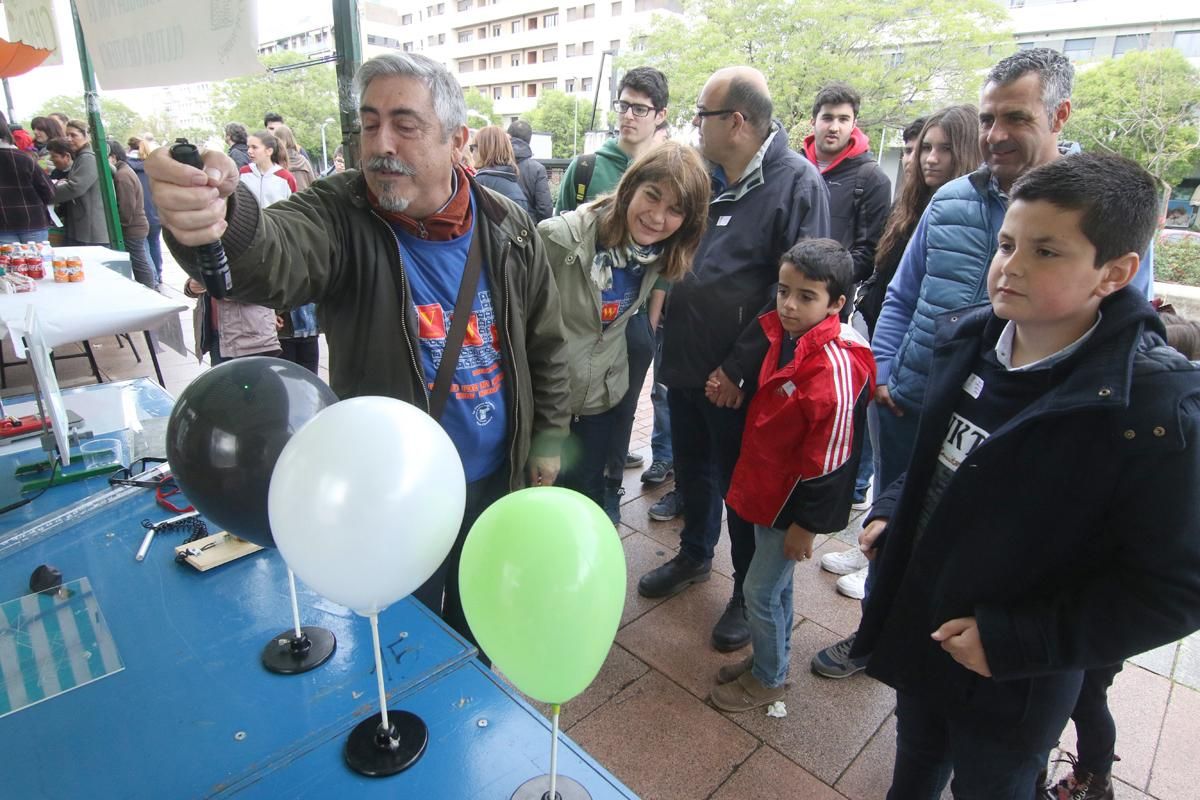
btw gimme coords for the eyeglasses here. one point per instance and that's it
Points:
(715, 113)
(639, 110)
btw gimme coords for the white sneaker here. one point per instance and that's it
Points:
(845, 562)
(853, 585)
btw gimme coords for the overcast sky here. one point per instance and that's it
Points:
(33, 88)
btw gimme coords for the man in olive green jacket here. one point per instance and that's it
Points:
(382, 251)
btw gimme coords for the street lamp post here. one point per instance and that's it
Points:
(324, 147)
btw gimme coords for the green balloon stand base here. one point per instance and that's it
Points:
(539, 789)
(377, 753)
(286, 654)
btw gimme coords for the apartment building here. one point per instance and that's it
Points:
(1090, 31)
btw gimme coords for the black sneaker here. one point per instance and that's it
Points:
(674, 576)
(732, 631)
(613, 492)
(633, 460)
(668, 507)
(1079, 784)
(658, 472)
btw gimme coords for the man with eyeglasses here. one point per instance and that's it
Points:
(641, 108)
(766, 197)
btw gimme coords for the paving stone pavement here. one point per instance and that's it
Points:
(646, 718)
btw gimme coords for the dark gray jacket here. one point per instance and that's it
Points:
(533, 180)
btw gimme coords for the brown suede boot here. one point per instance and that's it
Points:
(731, 672)
(744, 694)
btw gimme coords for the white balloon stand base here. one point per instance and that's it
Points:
(300, 649)
(390, 741)
(539, 789)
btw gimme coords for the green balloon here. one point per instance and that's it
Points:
(542, 580)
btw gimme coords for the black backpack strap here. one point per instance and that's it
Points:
(860, 181)
(584, 167)
(458, 329)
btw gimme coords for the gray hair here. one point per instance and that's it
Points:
(447, 95)
(1054, 71)
(752, 103)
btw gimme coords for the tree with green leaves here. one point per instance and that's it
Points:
(483, 108)
(1143, 106)
(904, 58)
(120, 121)
(305, 97)
(565, 117)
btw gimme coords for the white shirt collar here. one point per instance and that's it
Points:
(1004, 348)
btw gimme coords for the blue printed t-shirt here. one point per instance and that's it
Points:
(476, 415)
(626, 284)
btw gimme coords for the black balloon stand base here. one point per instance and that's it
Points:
(287, 655)
(539, 789)
(376, 753)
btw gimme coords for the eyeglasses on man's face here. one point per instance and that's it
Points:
(718, 112)
(639, 110)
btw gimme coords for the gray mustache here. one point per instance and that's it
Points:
(389, 164)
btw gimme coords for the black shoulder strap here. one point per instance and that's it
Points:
(860, 180)
(583, 176)
(458, 330)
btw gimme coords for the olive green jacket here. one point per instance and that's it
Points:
(598, 355)
(326, 245)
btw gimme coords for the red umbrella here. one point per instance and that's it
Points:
(17, 58)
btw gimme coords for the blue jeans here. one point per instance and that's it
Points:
(768, 591)
(989, 761)
(706, 441)
(584, 454)
(139, 259)
(866, 468)
(154, 243)
(639, 348)
(21, 237)
(660, 438)
(894, 444)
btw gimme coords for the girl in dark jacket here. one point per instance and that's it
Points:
(496, 166)
(24, 192)
(946, 148)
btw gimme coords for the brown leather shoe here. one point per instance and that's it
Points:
(744, 694)
(731, 672)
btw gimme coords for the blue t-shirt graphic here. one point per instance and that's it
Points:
(626, 284)
(476, 415)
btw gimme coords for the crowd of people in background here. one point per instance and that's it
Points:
(811, 335)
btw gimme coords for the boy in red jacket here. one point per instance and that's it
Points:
(800, 453)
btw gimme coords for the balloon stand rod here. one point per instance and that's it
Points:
(554, 755)
(384, 727)
(295, 605)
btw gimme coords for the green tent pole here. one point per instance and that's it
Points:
(91, 102)
(347, 42)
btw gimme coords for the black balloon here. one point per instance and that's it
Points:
(227, 430)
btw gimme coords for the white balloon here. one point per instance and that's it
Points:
(366, 501)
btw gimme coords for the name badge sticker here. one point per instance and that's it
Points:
(723, 221)
(787, 388)
(973, 385)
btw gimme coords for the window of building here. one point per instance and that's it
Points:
(572, 14)
(569, 85)
(515, 90)
(516, 26)
(589, 11)
(1188, 43)
(1024, 45)
(481, 33)
(586, 84)
(570, 51)
(548, 85)
(550, 21)
(464, 5)
(496, 29)
(589, 48)
(614, 45)
(1077, 49)
(496, 62)
(482, 64)
(466, 65)
(550, 54)
(531, 90)
(531, 24)
(515, 59)
(432, 39)
(1135, 41)
(464, 36)
(441, 8)
(616, 9)
(497, 93)
(531, 57)
(406, 19)
(441, 38)
(408, 47)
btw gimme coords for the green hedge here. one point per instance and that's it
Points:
(1177, 262)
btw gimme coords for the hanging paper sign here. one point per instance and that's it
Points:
(139, 43)
(31, 22)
